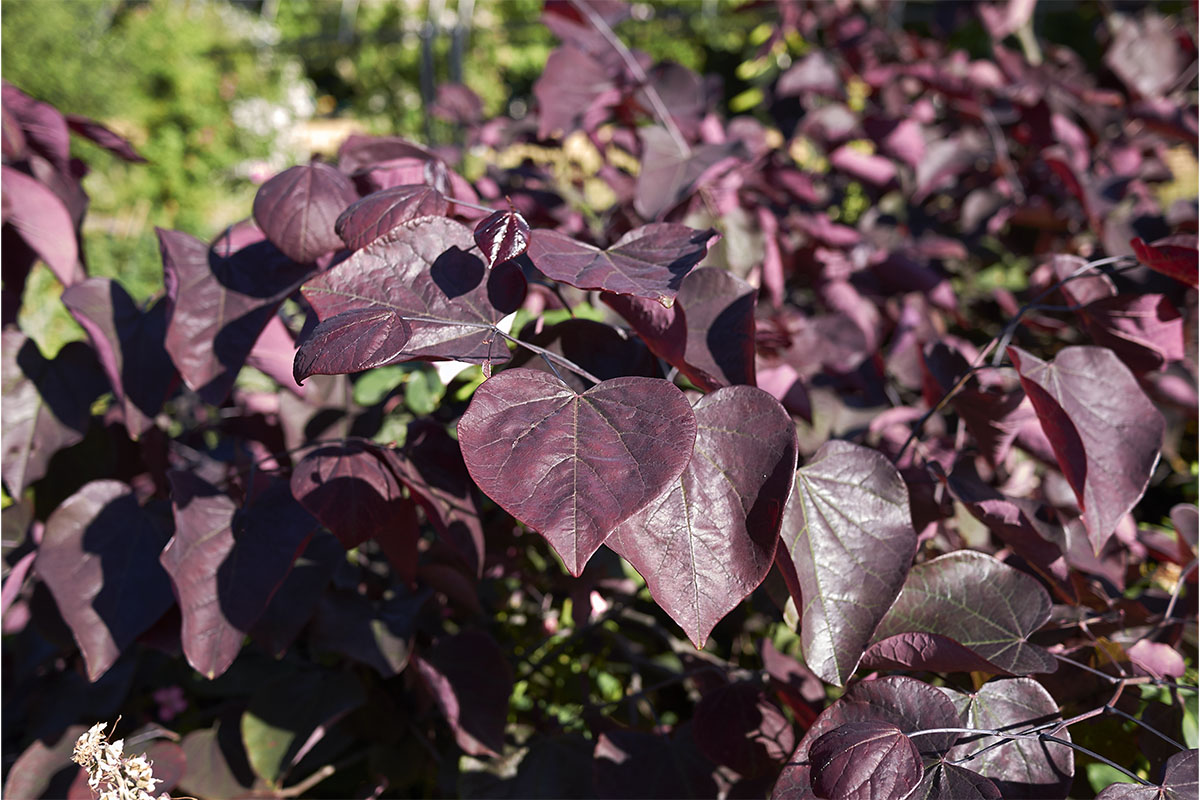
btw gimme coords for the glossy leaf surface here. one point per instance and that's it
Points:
(298, 209)
(502, 236)
(709, 539)
(848, 530)
(1105, 432)
(99, 557)
(381, 212)
(869, 760)
(352, 341)
(977, 602)
(575, 466)
(648, 262)
(424, 273)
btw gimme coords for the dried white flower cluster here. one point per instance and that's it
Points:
(112, 774)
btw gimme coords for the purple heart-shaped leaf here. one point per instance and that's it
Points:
(1105, 432)
(850, 507)
(709, 539)
(977, 602)
(502, 236)
(575, 466)
(99, 557)
(650, 261)
(379, 213)
(298, 210)
(423, 272)
(352, 341)
(869, 760)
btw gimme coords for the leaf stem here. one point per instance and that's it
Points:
(660, 108)
(550, 355)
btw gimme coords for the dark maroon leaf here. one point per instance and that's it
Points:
(351, 490)
(43, 126)
(97, 133)
(709, 538)
(924, 651)
(225, 563)
(502, 236)
(1179, 778)
(904, 702)
(850, 507)
(812, 74)
(298, 208)
(1176, 256)
(379, 213)
(868, 760)
(294, 602)
(44, 222)
(471, 682)
(431, 466)
(636, 765)
(1145, 331)
(379, 636)
(47, 405)
(668, 173)
(977, 602)
(1105, 432)
(683, 94)
(222, 300)
(948, 782)
(603, 350)
(1025, 768)
(99, 557)
(352, 341)
(423, 272)
(648, 262)
(737, 726)
(575, 466)
(130, 345)
(573, 92)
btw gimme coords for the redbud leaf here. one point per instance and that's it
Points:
(298, 209)
(502, 236)
(471, 681)
(380, 212)
(868, 760)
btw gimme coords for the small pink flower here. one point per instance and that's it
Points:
(171, 702)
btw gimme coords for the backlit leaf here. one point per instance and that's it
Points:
(43, 221)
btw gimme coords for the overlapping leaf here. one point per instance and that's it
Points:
(709, 538)
(737, 726)
(352, 341)
(43, 221)
(221, 301)
(575, 466)
(422, 272)
(298, 209)
(1105, 432)
(574, 91)
(47, 405)
(502, 236)
(380, 212)
(848, 530)
(867, 760)
(130, 345)
(975, 602)
(650, 261)
(378, 635)
(225, 563)
(1176, 256)
(633, 765)
(1025, 768)
(99, 557)
(669, 172)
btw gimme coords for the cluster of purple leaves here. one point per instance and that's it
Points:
(932, 477)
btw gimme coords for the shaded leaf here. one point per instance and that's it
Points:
(44, 770)
(574, 466)
(47, 404)
(129, 342)
(1145, 331)
(352, 341)
(286, 717)
(293, 604)
(736, 726)
(709, 538)
(1024, 768)
(949, 782)
(574, 91)
(605, 351)
(648, 262)
(502, 236)
(977, 602)
(43, 221)
(1104, 431)
(471, 682)
(209, 771)
(848, 530)
(99, 557)
(864, 760)
(381, 212)
(298, 209)
(350, 489)
(225, 563)
(380, 637)
(422, 271)
(635, 765)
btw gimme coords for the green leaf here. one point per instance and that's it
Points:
(423, 392)
(373, 386)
